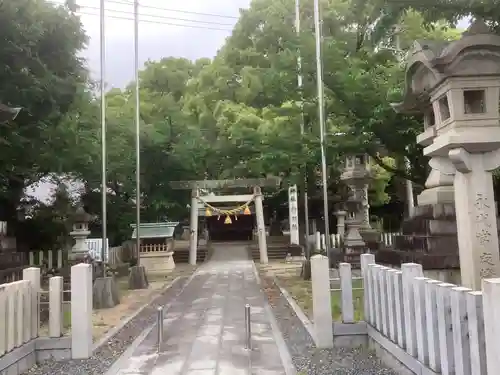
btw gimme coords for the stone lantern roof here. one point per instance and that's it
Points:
(476, 53)
(81, 216)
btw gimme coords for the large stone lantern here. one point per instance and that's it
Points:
(457, 87)
(80, 233)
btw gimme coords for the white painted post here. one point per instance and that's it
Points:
(3, 319)
(346, 292)
(367, 259)
(26, 311)
(382, 280)
(193, 228)
(19, 312)
(322, 306)
(460, 328)
(31, 255)
(476, 332)
(421, 320)
(81, 311)
(446, 346)
(32, 274)
(55, 306)
(11, 316)
(391, 304)
(59, 259)
(318, 242)
(376, 289)
(432, 325)
(261, 227)
(323, 242)
(50, 259)
(491, 308)
(410, 271)
(400, 316)
(371, 295)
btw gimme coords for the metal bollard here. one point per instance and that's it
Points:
(248, 328)
(159, 325)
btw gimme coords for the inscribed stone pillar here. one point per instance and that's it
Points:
(261, 228)
(476, 215)
(193, 228)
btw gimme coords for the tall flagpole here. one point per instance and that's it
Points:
(103, 136)
(137, 132)
(299, 85)
(321, 111)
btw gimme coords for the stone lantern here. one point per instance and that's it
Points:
(457, 86)
(357, 175)
(80, 233)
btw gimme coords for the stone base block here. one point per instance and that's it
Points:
(137, 278)
(105, 293)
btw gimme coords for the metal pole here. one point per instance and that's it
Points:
(159, 325)
(321, 111)
(137, 133)
(248, 328)
(103, 135)
(302, 130)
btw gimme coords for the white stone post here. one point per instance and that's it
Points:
(476, 216)
(376, 293)
(391, 304)
(491, 308)
(476, 332)
(400, 316)
(460, 328)
(322, 306)
(11, 316)
(317, 242)
(3, 317)
(346, 292)
(367, 259)
(384, 302)
(421, 320)
(193, 228)
(446, 347)
(341, 222)
(432, 324)
(32, 274)
(261, 227)
(81, 311)
(55, 306)
(410, 271)
(26, 287)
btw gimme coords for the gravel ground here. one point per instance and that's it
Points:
(107, 354)
(311, 361)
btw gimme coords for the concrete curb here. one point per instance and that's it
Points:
(113, 331)
(308, 325)
(286, 358)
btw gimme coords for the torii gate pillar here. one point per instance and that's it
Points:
(193, 228)
(261, 228)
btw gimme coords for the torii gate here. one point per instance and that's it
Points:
(197, 200)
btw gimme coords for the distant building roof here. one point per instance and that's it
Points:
(155, 230)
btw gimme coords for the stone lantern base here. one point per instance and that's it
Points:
(429, 238)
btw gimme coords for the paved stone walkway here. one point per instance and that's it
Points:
(204, 328)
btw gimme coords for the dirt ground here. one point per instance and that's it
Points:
(130, 301)
(288, 277)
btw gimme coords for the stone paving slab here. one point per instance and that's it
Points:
(204, 328)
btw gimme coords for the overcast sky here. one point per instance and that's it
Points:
(159, 35)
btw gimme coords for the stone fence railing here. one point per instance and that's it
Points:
(430, 326)
(55, 258)
(20, 344)
(318, 239)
